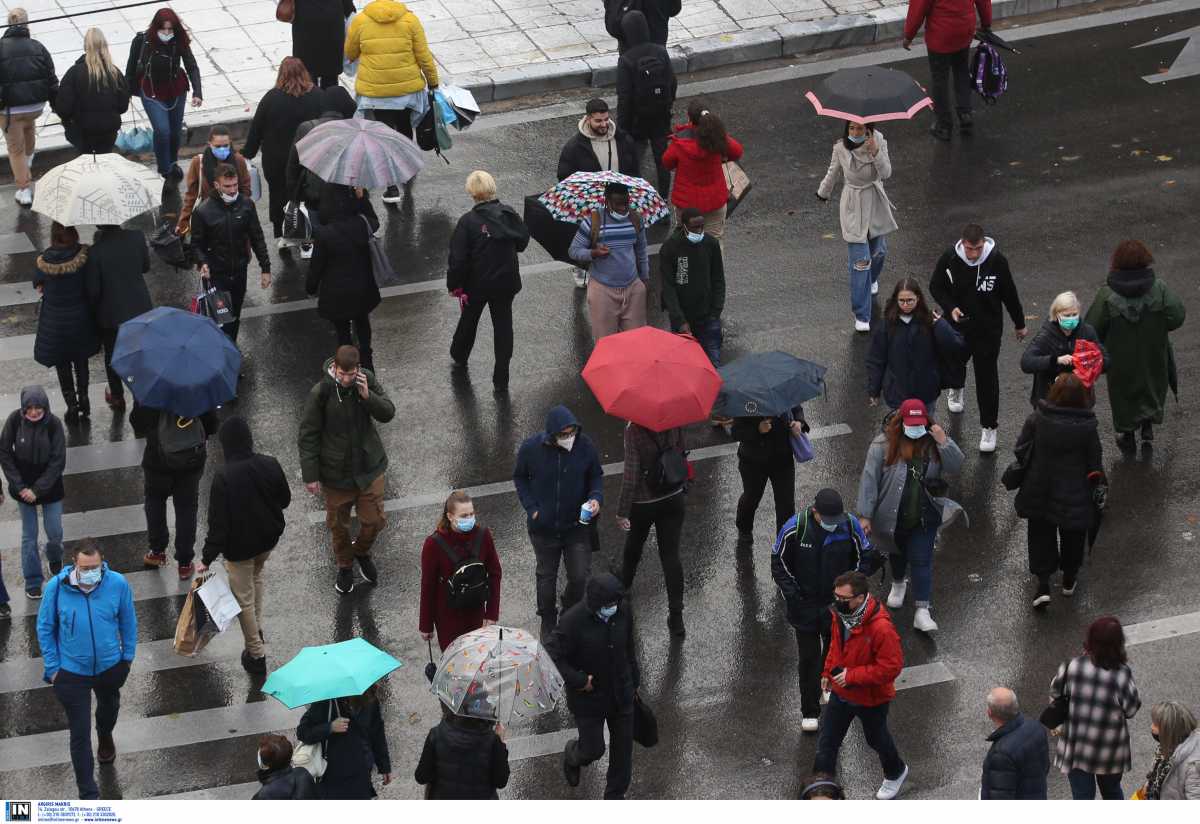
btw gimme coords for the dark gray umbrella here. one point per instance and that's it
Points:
(767, 384)
(870, 94)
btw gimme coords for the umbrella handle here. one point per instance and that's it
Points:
(429, 643)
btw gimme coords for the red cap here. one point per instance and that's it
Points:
(912, 413)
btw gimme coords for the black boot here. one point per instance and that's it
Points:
(1147, 431)
(85, 403)
(72, 413)
(675, 623)
(1126, 442)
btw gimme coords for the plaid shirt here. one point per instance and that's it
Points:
(641, 451)
(1095, 738)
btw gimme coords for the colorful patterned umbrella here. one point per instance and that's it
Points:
(497, 673)
(363, 153)
(582, 193)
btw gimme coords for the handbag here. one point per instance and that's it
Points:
(1014, 473)
(169, 246)
(738, 184)
(802, 449)
(381, 267)
(285, 11)
(296, 223)
(213, 303)
(645, 725)
(312, 756)
(1055, 715)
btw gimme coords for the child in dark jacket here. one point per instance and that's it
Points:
(464, 758)
(694, 282)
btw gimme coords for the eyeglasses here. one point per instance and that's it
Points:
(906, 301)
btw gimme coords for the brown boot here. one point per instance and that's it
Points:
(106, 750)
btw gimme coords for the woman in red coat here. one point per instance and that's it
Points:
(696, 153)
(456, 534)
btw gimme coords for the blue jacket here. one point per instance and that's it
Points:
(908, 360)
(86, 633)
(555, 483)
(1017, 763)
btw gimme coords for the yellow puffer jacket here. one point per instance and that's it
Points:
(388, 41)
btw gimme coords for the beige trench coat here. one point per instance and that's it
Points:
(864, 206)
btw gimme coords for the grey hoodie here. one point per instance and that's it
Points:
(34, 455)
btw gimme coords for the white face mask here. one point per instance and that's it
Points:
(566, 443)
(229, 198)
(166, 36)
(905, 318)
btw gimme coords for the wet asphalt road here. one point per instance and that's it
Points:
(1079, 154)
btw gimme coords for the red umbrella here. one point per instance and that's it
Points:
(1089, 362)
(653, 378)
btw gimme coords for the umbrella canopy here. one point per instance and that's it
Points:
(653, 378)
(554, 235)
(870, 94)
(364, 153)
(767, 384)
(582, 193)
(497, 673)
(177, 361)
(99, 190)
(330, 671)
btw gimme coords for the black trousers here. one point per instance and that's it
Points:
(235, 284)
(570, 548)
(108, 340)
(589, 747)
(658, 147)
(73, 380)
(184, 490)
(811, 648)
(357, 332)
(399, 120)
(74, 692)
(1052, 548)
(984, 352)
(666, 516)
(941, 67)
(839, 715)
(500, 307)
(781, 472)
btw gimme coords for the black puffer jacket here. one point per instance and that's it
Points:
(1040, 357)
(65, 332)
(908, 360)
(90, 114)
(584, 644)
(1016, 765)
(223, 235)
(286, 784)
(340, 274)
(483, 251)
(26, 70)
(463, 760)
(116, 287)
(642, 118)
(33, 455)
(1066, 449)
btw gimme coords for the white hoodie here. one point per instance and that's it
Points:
(988, 246)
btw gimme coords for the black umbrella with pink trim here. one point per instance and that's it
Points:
(870, 94)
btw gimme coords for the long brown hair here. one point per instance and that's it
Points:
(165, 15)
(456, 497)
(901, 447)
(921, 314)
(710, 131)
(293, 77)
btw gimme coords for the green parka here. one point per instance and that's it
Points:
(338, 443)
(1132, 316)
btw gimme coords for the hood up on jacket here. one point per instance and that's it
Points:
(635, 28)
(988, 246)
(385, 11)
(35, 395)
(586, 132)
(337, 101)
(1131, 283)
(603, 590)
(502, 222)
(236, 440)
(558, 419)
(62, 261)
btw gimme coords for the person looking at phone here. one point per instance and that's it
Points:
(342, 457)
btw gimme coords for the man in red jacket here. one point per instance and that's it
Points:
(949, 29)
(861, 667)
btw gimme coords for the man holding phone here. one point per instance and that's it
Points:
(342, 456)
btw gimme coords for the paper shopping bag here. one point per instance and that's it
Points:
(218, 599)
(195, 628)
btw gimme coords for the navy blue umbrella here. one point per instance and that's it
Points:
(767, 384)
(177, 361)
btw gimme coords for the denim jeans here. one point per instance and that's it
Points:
(914, 555)
(835, 723)
(74, 692)
(167, 121)
(1083, 786)
(708, 334)
(31, 562)
(865, 264)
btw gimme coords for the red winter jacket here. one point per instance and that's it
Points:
(871, 656)
(699, 179)
(949, 24)
(436, 570)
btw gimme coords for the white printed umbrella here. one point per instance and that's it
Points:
(363, 153)
(97, 190)
(497, 673)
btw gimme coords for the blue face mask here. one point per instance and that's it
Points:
(695, 237)
(914, 432)
(1069, 324)
(607, 612)
(857, 141)
(829, 527)
(464, 524)
(221, 152)
(90, 577)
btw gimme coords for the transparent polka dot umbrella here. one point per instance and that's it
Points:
(498, 674)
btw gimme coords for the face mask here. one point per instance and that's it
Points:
(566, 443)
(221, 152)
(607, 612)
(858, 141)
(258, 758)
(829, 527)
(464, 524)
(229, 198)
(905, 318)
(89, 577)
(1154, 735)
(695, 237)
(914, 432)
(1069, 324)
(619, 215)
(166, 36)
(843, 607)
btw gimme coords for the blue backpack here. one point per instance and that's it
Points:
(988, 73)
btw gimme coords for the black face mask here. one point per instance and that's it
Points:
(843, 607)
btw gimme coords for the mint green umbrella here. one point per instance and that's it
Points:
(330, 671)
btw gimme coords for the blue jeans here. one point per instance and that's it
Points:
(1083, 786)
(31, 562)
(835, 723)
(914, 555)
(865, 264)
(708, 334)
(167, 121)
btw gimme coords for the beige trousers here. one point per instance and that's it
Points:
(21, 137)
(614, 309)
(246, 584)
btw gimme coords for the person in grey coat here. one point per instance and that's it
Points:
(1017, 763)
(902, 504)
(116, 288)
(1175, 775)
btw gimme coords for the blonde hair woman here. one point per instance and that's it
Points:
(484, 271)
(1052, 350)
(92, 97)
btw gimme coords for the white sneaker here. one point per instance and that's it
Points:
(875, 288)
(889, 789)
(810, 724)
(987, 441)
(895, 598)
(954, 401)
(923, 621)
(861, 326)
(24, 197)
(306, 251)
(581, 278)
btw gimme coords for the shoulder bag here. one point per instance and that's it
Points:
(312, 756)
(381, 267)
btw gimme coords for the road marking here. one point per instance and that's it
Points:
(98, 457)
(1186, 64)
(1158, 630)
(58, 405)
(18, 294)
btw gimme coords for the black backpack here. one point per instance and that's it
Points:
(652, 85)
(468, 583)
(669, 470)
(181, 442)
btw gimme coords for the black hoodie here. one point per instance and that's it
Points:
(639, 115)
(483, 251)
(246, 503)
(658, 15)
(34, 455)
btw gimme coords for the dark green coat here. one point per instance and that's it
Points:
(338, 443)
(1132, 316)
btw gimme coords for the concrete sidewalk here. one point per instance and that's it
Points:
(499, 49)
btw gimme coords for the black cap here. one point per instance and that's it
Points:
(829, 506)
(596, 104)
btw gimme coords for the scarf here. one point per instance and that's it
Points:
(1156, 776)
(855, 618)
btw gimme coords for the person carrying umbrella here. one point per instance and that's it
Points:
(463, 759)
(302, 185)
(355, 741)
(693, 282)
(949, 29)
(613, 241)
(116, 288)
(765, 454)
(593, 648)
